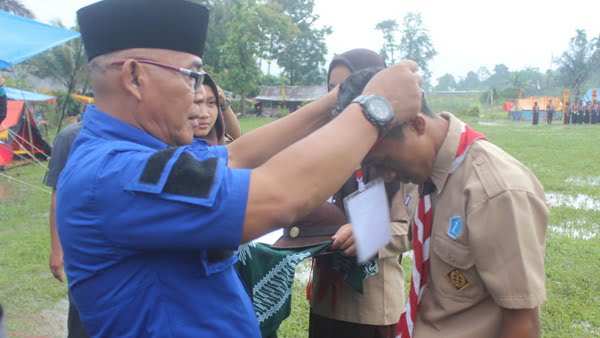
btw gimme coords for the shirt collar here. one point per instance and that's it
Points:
(446, 154)
(111, 128)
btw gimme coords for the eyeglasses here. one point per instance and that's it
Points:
(197, 76)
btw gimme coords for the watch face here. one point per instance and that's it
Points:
(380, 109)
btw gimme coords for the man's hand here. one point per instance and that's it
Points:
(401, 86)
(56, 264)
(343, 240)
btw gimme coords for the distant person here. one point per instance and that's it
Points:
(595, 112)
(581, 112)
(2, 330)
(60, 152)
(2, 99)
(217, 123)
(549, 112)
(535, 113)
(567, 117)
(586, 112)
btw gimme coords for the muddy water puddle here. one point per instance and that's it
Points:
(579, 201)
(584, 182)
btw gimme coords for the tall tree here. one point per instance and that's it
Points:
(302, 57)
(16, 7)
(389, 28)
(576, 63)
(416, 43)
(470, 82)
(446, 82)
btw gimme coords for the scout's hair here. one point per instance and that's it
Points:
(353, 86)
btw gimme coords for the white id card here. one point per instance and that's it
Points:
(369, 213)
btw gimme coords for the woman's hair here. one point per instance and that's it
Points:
(356, 59)
(217, 134)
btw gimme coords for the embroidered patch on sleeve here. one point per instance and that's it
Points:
(190, 177)
(454, 227)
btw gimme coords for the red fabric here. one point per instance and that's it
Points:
(13, 113)
(6, 154)
(421, 230)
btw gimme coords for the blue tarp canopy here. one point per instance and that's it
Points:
(588, 95)
(21, 38)
(23, 95)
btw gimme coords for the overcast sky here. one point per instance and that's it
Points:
(466, 34)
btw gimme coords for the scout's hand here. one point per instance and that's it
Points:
(56, 264)
(401, 86)
(343, 240)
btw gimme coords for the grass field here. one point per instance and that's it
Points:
(566, 159)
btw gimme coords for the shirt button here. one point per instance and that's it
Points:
(479, 161)
(452, 259)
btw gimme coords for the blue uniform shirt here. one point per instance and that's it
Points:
(147, 232)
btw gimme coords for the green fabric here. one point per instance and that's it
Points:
(268, 275)
(352, 273)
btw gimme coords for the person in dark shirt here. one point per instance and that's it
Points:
(2, 99)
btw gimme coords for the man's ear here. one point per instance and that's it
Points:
(131, 74)
(418, 124)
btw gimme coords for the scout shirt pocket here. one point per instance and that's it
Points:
(453, 271)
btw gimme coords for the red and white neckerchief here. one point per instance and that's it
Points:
(421, 232)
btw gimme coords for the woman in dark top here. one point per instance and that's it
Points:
(2, 99)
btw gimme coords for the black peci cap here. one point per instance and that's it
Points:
(112, 25)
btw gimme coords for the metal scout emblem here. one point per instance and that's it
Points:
(294, 232)
(458, 279)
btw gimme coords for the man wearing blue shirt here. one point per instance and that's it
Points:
(147, 219)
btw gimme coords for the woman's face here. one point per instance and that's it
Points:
(338, 74)
(208, 113)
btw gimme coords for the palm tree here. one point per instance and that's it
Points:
(17, 8)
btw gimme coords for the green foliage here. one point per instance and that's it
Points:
(283, 111)
(389, 28)
(578, 62)
(244, 33)
(416, 43)
(272, 80)
(473, 111)
(17, 8)
(302, 57)
(446, 83)
(459, 104)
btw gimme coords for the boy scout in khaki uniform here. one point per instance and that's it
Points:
(483, 259)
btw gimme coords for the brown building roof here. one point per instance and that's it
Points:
(291, 93)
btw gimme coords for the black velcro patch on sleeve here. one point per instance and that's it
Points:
(190, 177)
(156, 165)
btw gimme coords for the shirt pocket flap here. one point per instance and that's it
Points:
(453, 253)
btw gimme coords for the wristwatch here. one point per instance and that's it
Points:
(377, 110)
(226, 104)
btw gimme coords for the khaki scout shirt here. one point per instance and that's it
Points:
(487, 243)
(382, 300)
